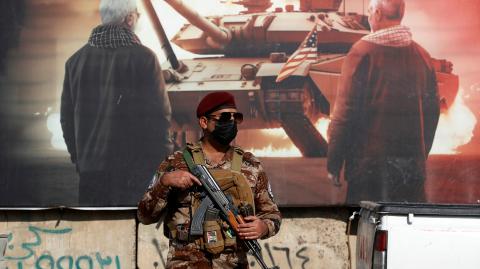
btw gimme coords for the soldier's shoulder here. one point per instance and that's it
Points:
(250, 159)
(173, 161)
(177, 155)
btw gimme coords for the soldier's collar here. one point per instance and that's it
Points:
(227, 157)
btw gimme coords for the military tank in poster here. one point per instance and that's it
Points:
(255, 45)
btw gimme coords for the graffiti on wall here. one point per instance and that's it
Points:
(283, 252)
(275, 254)
(27, 253)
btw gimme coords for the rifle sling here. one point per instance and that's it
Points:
(188, 159)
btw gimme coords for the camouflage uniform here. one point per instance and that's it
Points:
(175, 202)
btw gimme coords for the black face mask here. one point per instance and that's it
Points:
(225, 132)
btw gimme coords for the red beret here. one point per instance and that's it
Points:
(215, 101)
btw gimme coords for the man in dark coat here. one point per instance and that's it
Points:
(386, 112)
(115, 111)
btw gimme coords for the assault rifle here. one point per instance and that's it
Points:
(228, 211)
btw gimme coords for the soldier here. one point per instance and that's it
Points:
(175, 190)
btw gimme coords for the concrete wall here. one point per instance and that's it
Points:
(309, 238)
(3, 247)
(69, 239)
(64, 239)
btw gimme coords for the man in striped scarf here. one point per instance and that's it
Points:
(386, 112)
(115, 111)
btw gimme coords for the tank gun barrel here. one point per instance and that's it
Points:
(165, 43)
(219, 35)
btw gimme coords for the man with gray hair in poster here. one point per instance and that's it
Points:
(115, 111)
(386, 112)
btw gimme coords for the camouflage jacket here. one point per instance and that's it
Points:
(159, 198)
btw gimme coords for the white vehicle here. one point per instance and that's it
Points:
(406, 235)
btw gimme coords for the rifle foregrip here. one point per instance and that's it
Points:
(240, 219)
(232, 221)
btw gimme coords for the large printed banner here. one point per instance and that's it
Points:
(285, 123)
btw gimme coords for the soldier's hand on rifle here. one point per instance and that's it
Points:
(179, 179)
(253, 228)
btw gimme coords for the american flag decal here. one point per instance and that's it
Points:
(306, 52)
